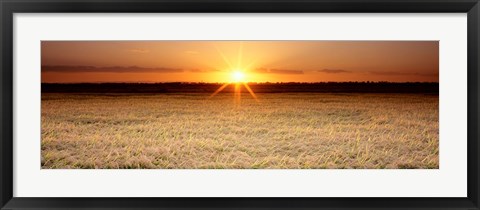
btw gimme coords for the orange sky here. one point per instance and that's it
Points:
(262, 61)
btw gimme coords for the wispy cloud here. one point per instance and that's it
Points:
(397, 73)
(113, 69)
(197, 70)
(278, 71)
(202, 70)
(334, 71)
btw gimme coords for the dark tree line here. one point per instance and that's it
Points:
(179, 87)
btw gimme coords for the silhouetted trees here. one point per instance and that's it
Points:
(284, 87)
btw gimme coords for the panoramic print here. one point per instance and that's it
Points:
(240, 105)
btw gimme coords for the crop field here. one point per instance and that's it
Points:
(279, 131)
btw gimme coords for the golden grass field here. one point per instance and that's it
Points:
(282, 130)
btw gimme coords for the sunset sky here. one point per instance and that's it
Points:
(259, 61)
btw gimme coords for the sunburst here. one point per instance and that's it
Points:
(238, 76)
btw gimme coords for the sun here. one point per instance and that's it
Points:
(238, 76)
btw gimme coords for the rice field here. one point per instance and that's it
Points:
(280, 131)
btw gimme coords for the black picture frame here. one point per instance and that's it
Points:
(10, 7)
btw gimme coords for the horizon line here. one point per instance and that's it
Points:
(367, 82)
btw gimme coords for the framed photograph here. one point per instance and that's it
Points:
(262, 104)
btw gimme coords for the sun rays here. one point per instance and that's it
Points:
(239, 76)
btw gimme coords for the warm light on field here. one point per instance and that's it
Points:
(238, 76)
(286, 131)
